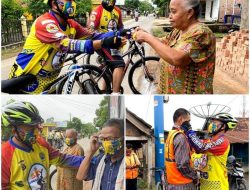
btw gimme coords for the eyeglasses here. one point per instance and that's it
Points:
(100, 139)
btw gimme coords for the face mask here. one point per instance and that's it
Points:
(69, 8)
(28, 137)
(112, 147)
(212, 127)
(69, 141)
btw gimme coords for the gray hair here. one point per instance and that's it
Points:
(73, 131)
(195, 5)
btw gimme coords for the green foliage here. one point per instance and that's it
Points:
(76, 124)
(83, 6)
(36, 7)
(146, 6)
(88, 129)
(11, 10)
(102, 113)
(160, 3)
(132, 4)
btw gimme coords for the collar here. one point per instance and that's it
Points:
(52, 13)
(17, 146)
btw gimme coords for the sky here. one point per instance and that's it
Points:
(144, 106)
(62, 106)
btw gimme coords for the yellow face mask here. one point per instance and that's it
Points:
(69, 141)
(111, 147)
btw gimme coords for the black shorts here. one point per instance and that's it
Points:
(113, 61)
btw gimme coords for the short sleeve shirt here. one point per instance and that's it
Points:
(196, 77)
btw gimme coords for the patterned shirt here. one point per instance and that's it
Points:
(196, 77)
(66, 177)
(24, 169)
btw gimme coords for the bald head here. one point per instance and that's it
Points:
(71, 133)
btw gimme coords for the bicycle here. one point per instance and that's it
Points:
(142, 77)
(52, 174)
(162, 184)
(85, 76)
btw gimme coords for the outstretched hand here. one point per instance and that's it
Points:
(185, 126)
(113, 42)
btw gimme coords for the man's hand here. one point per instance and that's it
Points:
(185, 126)
(113, 42)
(94, 144)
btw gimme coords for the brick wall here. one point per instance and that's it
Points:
(232, 55)
(229, 7)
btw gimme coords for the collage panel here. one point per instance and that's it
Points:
(62, 142)
(125, 47)
(187, 142)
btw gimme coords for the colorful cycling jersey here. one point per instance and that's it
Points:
(214, 174)
(46, 46)
(24, 169)
(104, 21)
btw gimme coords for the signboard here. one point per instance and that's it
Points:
(120, 2)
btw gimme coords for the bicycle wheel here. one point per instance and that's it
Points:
(144, 76)
(241, 185)
(82, 85)
(50, 178)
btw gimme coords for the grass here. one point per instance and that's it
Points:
(158, 32)
(220, 35)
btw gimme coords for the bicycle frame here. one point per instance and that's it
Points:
(71, 73)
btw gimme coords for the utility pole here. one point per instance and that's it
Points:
(244, 111)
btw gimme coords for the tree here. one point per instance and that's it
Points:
(88, 129)
(146, 6)
(36, 8)
(76, 124)
(132, 4)
(102, 113)
(83, 6)
(11, 10)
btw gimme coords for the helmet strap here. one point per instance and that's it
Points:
(60, 13)
(18, 137)
(219, 130)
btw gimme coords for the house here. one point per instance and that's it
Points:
(141, 135)
(239, 141)
(219, 10)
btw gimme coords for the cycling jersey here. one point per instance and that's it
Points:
(103, 20)
(24, 169)
(214, 175)
(47, 44)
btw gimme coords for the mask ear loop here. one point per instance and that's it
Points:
(60, 12)
(18, 137)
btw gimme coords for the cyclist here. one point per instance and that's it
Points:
(216, 147)
(26, 157)
(107, 17)
(52, 36)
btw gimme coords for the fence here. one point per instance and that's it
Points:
(14, 32)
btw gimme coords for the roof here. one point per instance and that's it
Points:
(139, 122)
(241, 133)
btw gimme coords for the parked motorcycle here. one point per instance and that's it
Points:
(235, 174)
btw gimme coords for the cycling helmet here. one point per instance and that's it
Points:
(227, 119)
(108, 4)
(20, 113)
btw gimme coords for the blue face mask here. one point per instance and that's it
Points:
(28, 137)
(69, 8)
